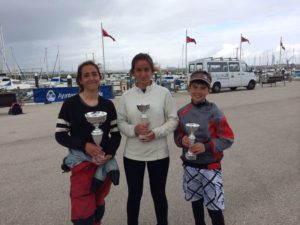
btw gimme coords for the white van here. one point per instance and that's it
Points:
(226, 73)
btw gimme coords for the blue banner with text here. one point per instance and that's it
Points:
(59, 94)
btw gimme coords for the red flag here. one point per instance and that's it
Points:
(281, 45)
(105, 34)
(244, 40)
(188, 40)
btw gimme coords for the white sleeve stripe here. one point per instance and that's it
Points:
(60, 129)
(113, 122)
(62, 121)
(114, 130)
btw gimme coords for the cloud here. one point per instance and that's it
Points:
(156, 27)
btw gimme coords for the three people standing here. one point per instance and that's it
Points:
(146, 144)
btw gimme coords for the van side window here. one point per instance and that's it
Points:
(224, 67)
(191, 68)
(215, 66)
(199, 66)
(234, 67)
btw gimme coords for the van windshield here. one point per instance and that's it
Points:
(234, 67)
(246, 68)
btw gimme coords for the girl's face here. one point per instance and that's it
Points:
(90, 78)
(198, 92)
(143, 73)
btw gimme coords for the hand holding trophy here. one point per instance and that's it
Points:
(143, 108)
(191, 127)
(96, 119)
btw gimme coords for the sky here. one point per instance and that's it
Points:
(32, 27)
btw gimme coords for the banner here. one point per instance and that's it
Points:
(59, 94)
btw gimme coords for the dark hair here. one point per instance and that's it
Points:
(79, 72)
(141, 56)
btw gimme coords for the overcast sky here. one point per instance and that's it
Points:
(155, 27)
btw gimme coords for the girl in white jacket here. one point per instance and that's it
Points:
(151, 151)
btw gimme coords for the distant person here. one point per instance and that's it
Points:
(202, 180)
(151, 151)
(283, 72)
(18, 96)
(85, 159)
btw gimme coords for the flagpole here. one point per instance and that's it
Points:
(280, 50)
(186, 67)
(241, 47)
(182, 59)
(103, 50)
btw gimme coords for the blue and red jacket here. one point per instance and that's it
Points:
(214, 132)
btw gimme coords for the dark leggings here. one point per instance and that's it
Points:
(158, 171)
(215, 215)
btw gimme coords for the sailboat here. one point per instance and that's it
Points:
(7, 83)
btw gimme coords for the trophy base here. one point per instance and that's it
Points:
(190, 156)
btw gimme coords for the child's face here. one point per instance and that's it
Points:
(143, 73)
(198, 92)
(90, 78)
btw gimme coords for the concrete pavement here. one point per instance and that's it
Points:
(261, 171)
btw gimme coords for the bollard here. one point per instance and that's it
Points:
(36, 80)
(69, 80)
(18, 95)
(130, 80)
(123, 86)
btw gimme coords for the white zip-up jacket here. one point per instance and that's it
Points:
(162, 116)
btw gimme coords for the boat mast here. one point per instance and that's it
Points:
(58, 60)
(2, 50)
(16, 62)
(46, 61)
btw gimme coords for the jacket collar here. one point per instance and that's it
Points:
(148, 88)
(201, 104)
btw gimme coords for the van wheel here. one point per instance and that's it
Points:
(233, 88)
(216, 88)
(251, 85)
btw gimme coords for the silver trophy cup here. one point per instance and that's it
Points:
(143, 108)
(191, 127)
(96, 119)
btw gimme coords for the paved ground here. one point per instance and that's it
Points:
(261, 170)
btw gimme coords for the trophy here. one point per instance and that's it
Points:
(191, 127)
(96, 119)
(143, 108)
